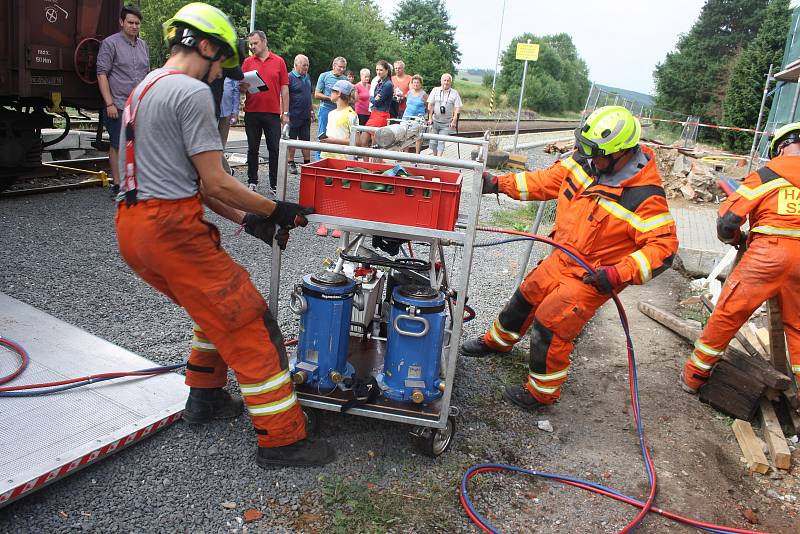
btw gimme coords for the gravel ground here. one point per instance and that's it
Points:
(59, 254)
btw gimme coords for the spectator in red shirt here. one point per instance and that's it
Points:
(401, 82)
(265, 111)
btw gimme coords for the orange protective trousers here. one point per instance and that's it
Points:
(173, 249)
(769, 268)
(554, 300)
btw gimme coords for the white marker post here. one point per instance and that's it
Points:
(526, 52)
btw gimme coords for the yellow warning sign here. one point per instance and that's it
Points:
(789, 201)
(527, 51)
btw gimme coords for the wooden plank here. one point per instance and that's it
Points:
(756, 367)
(790, 403)
(749, 332)
(779, 451)
(732, 391)
(680, 326)
(751, 449)
(763, 338)
(777, 341)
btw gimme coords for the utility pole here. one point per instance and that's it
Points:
(252, 16)
(497, 58)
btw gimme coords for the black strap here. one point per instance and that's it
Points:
(422, 310)
(199, 368)
(412, 264)
(365, 390)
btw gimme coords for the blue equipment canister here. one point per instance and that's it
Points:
(324, 302)
(414, 345)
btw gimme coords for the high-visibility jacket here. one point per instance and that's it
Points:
(770, 197)
(627, 225)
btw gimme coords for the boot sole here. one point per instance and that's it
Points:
(196, 420)
(265, 463)
(489, 354)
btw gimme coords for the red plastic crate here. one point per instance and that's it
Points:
(331, 188)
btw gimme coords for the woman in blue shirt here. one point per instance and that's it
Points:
(416, 103)
(381, 101)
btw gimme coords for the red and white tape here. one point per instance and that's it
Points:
(714, 126)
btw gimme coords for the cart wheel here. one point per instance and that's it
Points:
(312, 418)
(435, 442)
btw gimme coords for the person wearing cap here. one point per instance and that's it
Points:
(173, 170)
(341, 122)
(322, 92)
(611, 208)
(769, 199)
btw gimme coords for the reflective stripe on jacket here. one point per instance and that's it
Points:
(770, 197)
(628, 226)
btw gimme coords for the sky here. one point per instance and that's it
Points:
(620, 41)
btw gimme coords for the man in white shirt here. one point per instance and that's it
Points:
(444, 105)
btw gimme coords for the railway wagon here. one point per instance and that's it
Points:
(48, 52)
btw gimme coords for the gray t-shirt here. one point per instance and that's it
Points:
(174, 122)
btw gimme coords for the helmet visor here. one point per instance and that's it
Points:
(588, 147)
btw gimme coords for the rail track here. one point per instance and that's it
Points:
(63, 175)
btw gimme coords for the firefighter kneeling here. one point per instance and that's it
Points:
(173, 168)
(612, 210)
(770, 267)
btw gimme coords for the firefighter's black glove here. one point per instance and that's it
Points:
(489, 184)
(741, 242)
(288, 214)
(262, 228)
(604, 279)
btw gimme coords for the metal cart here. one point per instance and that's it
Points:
(434, 423)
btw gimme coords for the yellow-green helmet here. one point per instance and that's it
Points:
(607, 130)
(197, 20)
(790, 133)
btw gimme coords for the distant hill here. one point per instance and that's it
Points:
(641, 98)
(473, 75)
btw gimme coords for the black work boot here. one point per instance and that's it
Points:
(307, 452)
(520, 396)
(477, 348)
(206, 404)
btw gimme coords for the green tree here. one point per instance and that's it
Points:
(743, 97)
(424, 59)
(320, 29)
(425, 22)
(558, 81)
(693, 78)
(155, 12)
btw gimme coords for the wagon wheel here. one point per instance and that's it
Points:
(85, 59)
(435, 441)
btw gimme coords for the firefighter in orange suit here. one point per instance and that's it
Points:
(770, 267)
(612, 210)
(172, 163)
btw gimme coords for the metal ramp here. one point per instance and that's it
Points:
(43, 439)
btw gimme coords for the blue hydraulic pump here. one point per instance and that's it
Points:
(324, 303)
(416, 332)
